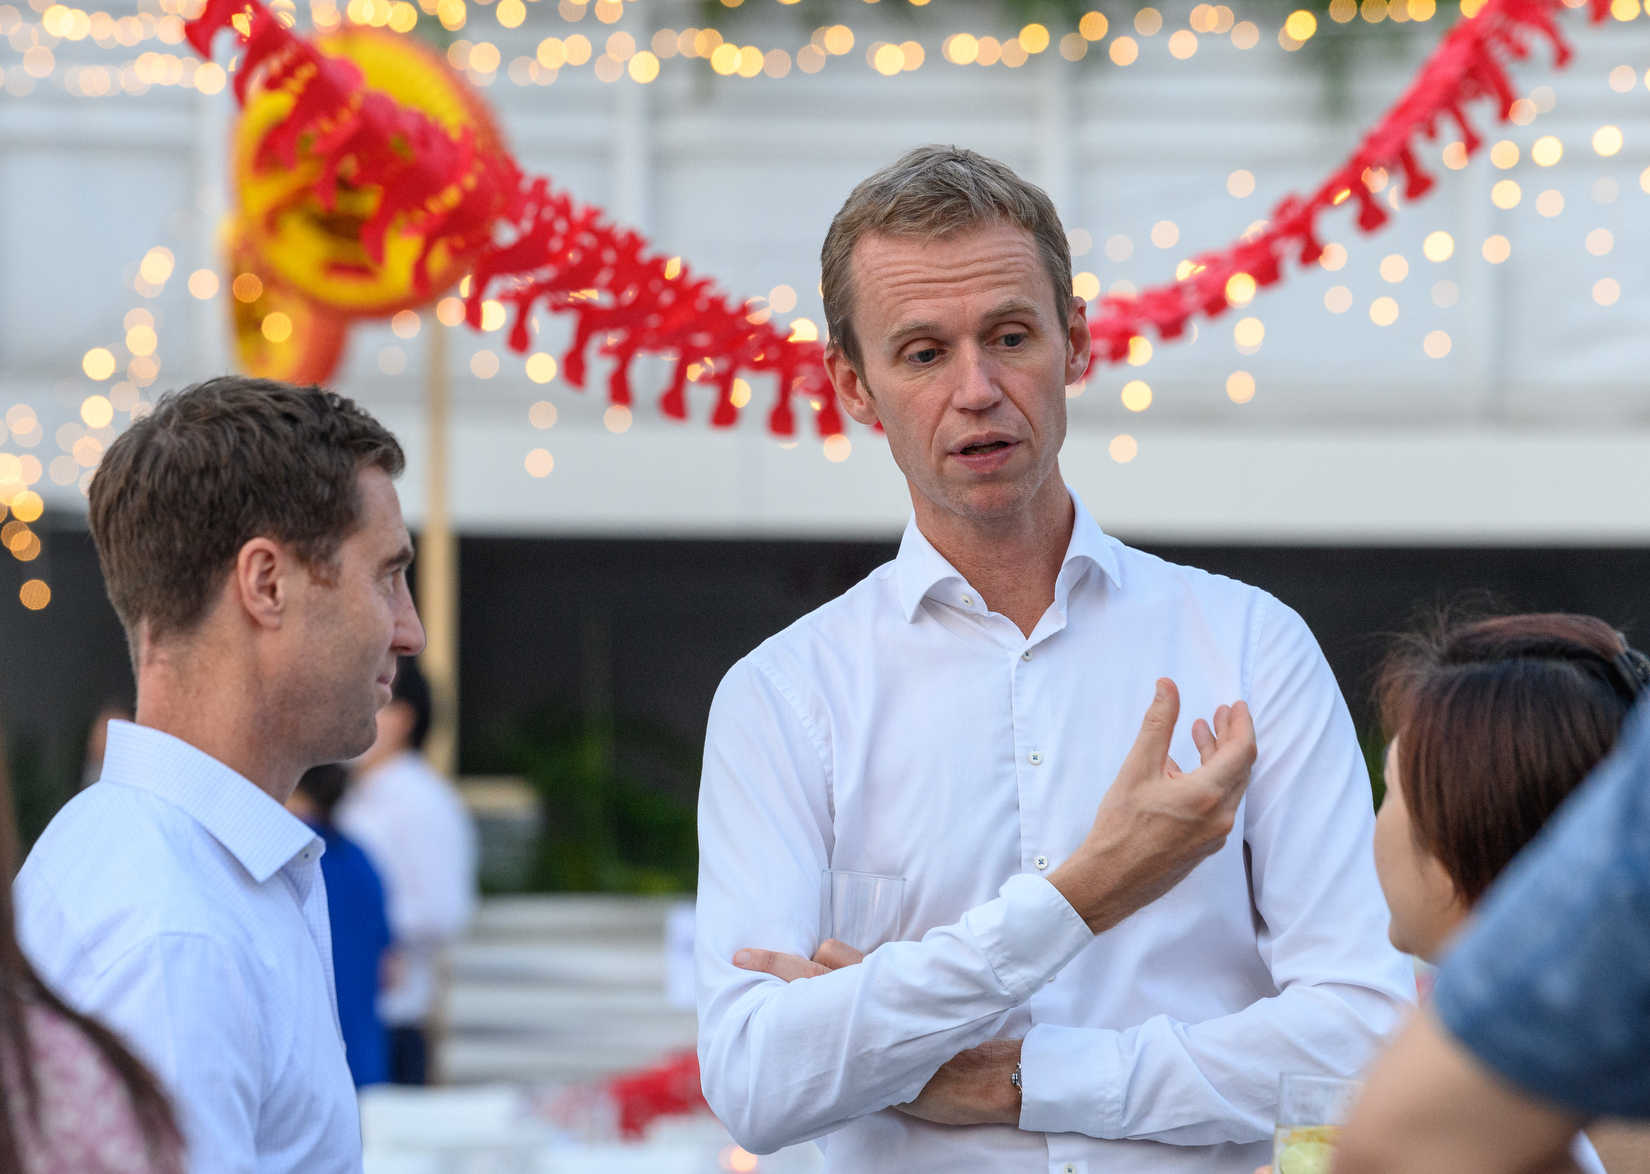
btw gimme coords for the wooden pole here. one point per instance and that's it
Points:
(438, 569)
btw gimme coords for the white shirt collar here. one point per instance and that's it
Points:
(921, 572)
(257, 831)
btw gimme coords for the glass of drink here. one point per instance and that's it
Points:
(861, 909)
(1311, 1111)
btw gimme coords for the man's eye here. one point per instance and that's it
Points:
(1013, 340)
(926, 355)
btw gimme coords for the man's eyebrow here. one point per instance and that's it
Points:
(909, 330)
(1003, 309)
(400, 559)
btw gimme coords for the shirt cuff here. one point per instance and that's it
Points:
(1028, 934)
(1072, 1081)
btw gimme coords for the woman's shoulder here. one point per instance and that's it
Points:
(85, 1123)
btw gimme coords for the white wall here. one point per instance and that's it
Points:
(1533, 429)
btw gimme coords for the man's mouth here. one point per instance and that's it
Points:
(975, 450)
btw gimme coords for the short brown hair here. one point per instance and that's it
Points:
(1497, 720)
(214, 466)
(931, 193)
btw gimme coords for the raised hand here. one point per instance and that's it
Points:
(1157, 822)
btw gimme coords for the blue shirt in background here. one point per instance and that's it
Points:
(360, 935)
(1551, 987)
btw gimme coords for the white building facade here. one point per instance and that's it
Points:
(1531, 429)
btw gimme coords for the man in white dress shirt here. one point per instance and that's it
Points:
(252, 544)
(414, 827)
(958, 718)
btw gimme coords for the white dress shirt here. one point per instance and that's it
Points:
(184, 907)
(415, 829)
(907, 730)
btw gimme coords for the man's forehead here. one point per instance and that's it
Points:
(381, 520)
(995, 241)
(997, 261)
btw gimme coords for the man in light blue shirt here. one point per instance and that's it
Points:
(252, 544)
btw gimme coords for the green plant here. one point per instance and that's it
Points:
(604, 828)
(1373, 742)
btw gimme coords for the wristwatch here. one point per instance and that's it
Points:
(1014, 1079)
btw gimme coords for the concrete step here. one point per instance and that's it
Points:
(577, 1012)
(559, 917)
(563, 963)
(561, 988)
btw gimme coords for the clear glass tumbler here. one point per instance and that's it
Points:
(1311, 1111)
(860, 909)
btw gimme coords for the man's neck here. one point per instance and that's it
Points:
(1012, 561)
(217, 707)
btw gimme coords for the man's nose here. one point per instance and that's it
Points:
(976, 388)
(409, 629)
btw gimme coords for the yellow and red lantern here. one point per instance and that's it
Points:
(279, 333)
(309, 235)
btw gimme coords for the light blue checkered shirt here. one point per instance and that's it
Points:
(181, 905)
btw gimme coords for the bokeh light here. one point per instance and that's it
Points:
(1136, 396)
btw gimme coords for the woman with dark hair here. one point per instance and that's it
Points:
(73, 1099)
(1493, 723)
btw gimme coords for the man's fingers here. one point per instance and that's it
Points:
(1235, 754)
(789, 967)
(1223, 717)
(834, 955)
(1151, 746)
(1204, 737)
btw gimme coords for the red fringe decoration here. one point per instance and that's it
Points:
(1470, 63)
(553, 250)
(670, 1089)
(630, 302)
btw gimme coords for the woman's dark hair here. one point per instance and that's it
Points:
(1496, 721)
(20, 987)
(324, 786)
(411, 687)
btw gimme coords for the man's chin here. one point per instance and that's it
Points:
(358, 741)
(992, 500)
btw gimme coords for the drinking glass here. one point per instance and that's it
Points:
(1311, 1111)
(860, 909)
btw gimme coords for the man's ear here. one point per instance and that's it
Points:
(259, 581)
(1078, 341)
(851, 390)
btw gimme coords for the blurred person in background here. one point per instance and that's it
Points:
(1540, 1015)
(97, 737)
(361, 955)
(252, 545)
(73, 1099)
(415, 829)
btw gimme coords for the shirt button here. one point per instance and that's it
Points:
(1035, 758)
(968, 601)
(1068, 1168)
(1041, 862)
(1026, 655)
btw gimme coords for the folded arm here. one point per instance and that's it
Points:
(1321, 926)
(784, 1063)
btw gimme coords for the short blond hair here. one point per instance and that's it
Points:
(930, 193)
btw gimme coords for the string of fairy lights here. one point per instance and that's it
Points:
(130, 363)
(37, 35)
